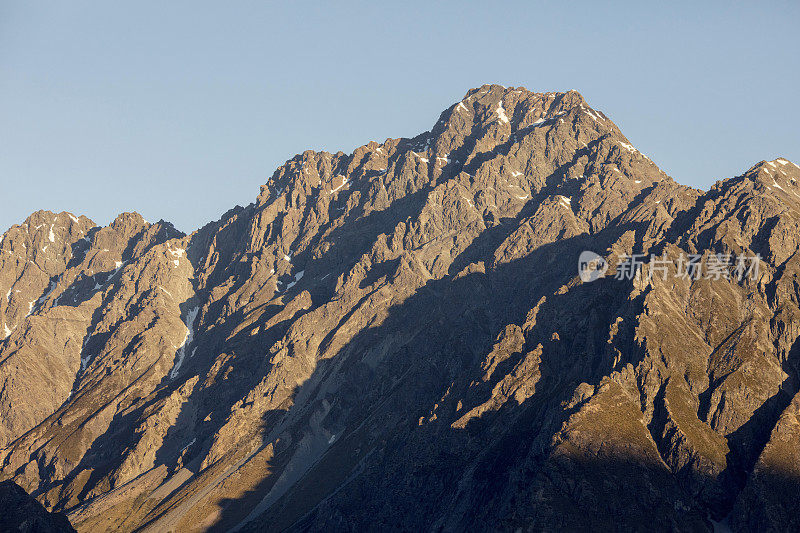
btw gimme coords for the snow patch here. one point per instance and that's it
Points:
(190, 318)
(516, 173)
(50, 290)
(594, 117)
(344, 182)
(185, 447)
(628, 147)
(297, 277)
(501, 113)
(462, 106)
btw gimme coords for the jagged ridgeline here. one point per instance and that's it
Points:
(399, 338)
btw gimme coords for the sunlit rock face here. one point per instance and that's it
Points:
(401, 338)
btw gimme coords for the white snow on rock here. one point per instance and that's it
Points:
(516, 173)
(637, 181)
(6, 331)
(344, 182)
(501, 113)
(594, 117)
(50, 290)
(73, 217)
(181, 354)
(462, 106)
(176, 253)
(628, 147)
(187, 446)
(297, 277)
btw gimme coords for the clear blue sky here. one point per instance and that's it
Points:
(180, 110)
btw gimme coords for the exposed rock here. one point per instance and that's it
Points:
(399, 338)
(19, 512)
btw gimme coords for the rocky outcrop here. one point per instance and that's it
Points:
(399, 338)
(19, 512)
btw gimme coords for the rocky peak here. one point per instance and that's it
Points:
(404, 325)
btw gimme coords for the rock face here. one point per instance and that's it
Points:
(399, 338)
(19, 512)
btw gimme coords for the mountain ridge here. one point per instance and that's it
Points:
(377, 328)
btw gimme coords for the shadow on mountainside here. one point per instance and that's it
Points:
(455, 327)
(402, 464)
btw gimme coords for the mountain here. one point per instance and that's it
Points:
(400, 338)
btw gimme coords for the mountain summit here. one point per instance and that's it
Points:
(401, 338)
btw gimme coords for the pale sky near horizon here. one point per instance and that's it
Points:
(181, 110)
